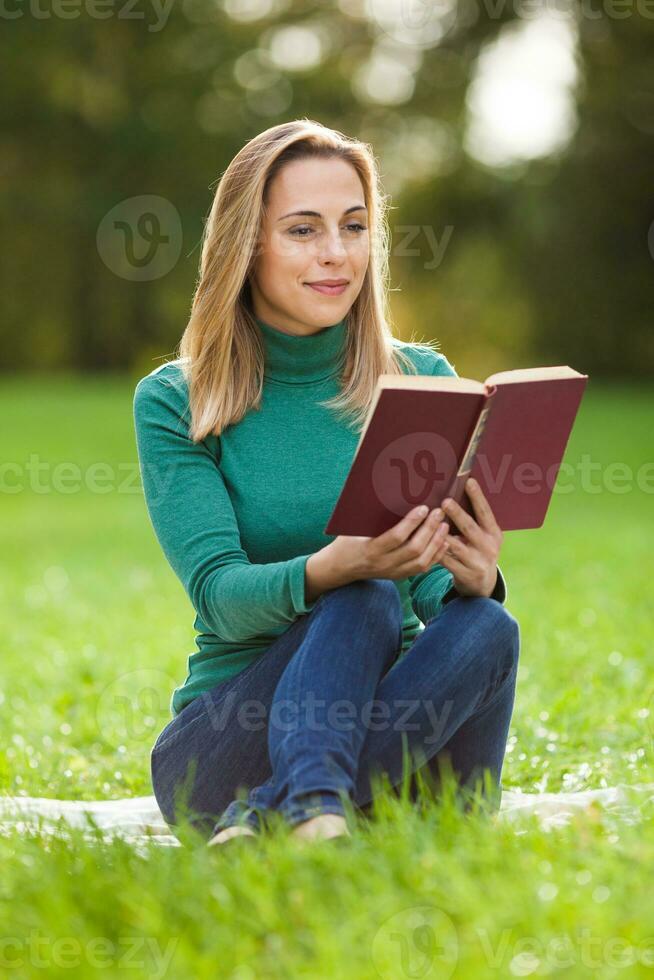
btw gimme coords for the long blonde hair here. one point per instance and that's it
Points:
(221, 350)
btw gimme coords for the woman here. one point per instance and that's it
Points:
(244, 442)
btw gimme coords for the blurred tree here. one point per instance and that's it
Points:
(544, 263)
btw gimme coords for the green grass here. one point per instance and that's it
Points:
(91, 612)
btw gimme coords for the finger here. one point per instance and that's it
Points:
(460, 550)
(396, 535)
(428, 555)
(414, 545)
(419, 540)
(435, 547)
(452, 564)
(483, 510)
(465, 523)
(460, 559)
(438, 546)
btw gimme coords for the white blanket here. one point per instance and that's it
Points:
(139, 820)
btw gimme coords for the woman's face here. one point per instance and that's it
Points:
(328, 241)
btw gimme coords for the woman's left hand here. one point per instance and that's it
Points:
(472, 557)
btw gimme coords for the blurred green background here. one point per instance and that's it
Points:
(516, 143)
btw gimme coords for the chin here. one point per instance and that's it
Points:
(331, 307)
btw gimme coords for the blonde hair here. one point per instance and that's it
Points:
(221, 349)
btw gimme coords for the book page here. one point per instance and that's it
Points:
(429, 382)
(533, 374)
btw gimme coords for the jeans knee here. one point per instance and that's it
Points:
(380, 593)
(502, 625)
(378, 598)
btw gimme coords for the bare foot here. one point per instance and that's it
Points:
(228, 832)
(322, 827)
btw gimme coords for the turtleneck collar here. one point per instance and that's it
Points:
(298, 359)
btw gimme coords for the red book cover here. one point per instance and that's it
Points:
(424, 436)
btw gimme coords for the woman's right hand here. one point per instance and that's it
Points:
(411, 546)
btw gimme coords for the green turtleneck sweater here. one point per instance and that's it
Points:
(237, 516)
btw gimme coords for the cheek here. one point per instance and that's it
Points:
(360, 255)
(278, 262)
(285, 256)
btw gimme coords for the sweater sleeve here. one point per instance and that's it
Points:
(433, 589)
(194, 521)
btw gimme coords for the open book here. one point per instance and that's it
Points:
(425, 436)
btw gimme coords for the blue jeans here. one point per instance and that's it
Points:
(328, 707)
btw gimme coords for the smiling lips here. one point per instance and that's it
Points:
(329, 287)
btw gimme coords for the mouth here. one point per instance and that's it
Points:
(334, 288)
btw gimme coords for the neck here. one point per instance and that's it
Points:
(298, 358)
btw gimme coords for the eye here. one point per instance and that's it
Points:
(353, 226)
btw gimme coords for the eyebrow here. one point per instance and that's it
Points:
(317, 214)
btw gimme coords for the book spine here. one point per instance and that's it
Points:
(457, 487)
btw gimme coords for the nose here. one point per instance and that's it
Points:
(332, 247)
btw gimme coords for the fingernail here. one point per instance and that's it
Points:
(447, 502)
(421, 511)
